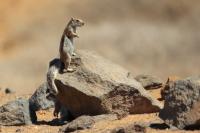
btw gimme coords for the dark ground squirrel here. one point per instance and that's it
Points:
(67, 42)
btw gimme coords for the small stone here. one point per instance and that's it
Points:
(85, 122)
(19, 130)
(8, 91)
(149, 82)
(131, 128)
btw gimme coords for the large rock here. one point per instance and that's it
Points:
(149, 82)
(182, 103)
(85, 122)
(98, 86)
(38, 100)
(16, 113)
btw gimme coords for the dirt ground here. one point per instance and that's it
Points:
(46, 116)
(153, 37)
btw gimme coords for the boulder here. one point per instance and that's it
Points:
(149, 82)
(98, 86)
(38, 100)
(16, 113)
(85, 122)
(182, 104)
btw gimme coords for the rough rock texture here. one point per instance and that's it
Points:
(132, 128)
(149, 82)
(98, 86)
(16, 113)
(38, 100)
(85, 122)
(182, 103)
(165, 89)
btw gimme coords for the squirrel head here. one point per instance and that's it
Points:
(76, 22)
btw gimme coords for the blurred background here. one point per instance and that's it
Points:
(155, 37)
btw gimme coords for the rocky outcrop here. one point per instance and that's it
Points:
(16, 113)
(182, 103)
(149, 82)
(38, 100)
(98, 86)
(85, 122)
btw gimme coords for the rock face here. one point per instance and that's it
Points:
(182, 103)
(38, 100)
(85, 122)
(16, 113)
(149, 82)
(98, 86)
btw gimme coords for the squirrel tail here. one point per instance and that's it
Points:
(54, 68)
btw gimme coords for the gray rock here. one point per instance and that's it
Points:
(38, 100)
(149, 82)
(182, 103)
(131, 128)
(98, 86)
(16, 113)
(85, 122)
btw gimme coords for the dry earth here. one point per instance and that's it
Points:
(45, 116)
(158, 38)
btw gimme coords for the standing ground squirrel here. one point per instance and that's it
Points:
(66, 50)
(66, 44)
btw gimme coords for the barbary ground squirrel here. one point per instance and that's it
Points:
(66, 51)
(67, 42)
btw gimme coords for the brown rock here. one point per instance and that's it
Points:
(98, 86)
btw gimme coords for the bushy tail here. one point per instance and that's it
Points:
(54, 68)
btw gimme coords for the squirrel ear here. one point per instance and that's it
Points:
(72, 18)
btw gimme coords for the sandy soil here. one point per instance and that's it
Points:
(160, 38)
(151, 37)
(46, 116)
